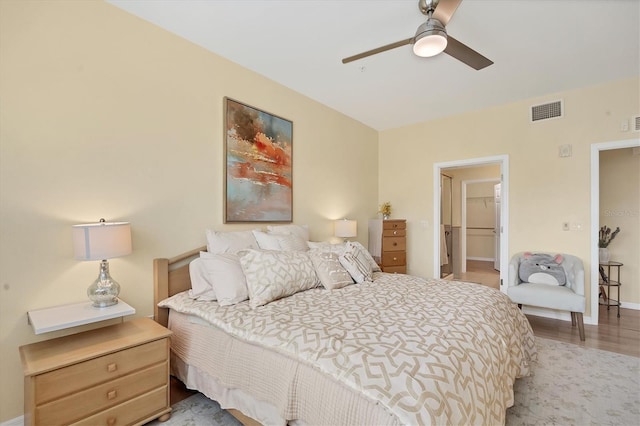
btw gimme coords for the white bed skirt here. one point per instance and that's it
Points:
(283, 390)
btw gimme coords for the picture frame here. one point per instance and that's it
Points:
(258, 165)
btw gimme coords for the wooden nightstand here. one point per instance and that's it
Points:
(114, 375)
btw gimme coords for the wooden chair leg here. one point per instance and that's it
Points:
(573, 319)
(580, 325)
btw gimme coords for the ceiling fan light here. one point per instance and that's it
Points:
(430, 39)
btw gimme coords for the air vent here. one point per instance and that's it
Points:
(635, 123)
(546, 111)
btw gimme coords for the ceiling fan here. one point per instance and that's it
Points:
(431, 37)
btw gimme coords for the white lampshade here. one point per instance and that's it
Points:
(346, 228)
(100, 241)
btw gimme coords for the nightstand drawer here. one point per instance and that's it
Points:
(395, 269)
(134, 411)
(394, 244)
(394, 259)
(71, 408)
(70, 379)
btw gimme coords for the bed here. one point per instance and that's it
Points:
(395, 349)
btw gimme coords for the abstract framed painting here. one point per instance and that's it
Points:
(258, 165)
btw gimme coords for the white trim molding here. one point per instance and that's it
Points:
(503, 161)
(595, 212)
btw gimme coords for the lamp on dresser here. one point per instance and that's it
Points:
(102, 241)
(346, 229)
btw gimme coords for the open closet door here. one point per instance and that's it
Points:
(496, 230)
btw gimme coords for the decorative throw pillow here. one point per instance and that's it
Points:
(230, 242)
(329, 269)
(374, 266)
(301, 231)
(542, 268)
(327, 247)
(282, 242)
(226, 277)
(201, 287)
(356, 263)
(272, 275)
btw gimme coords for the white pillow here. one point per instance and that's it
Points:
(301, 231)
(272, 275)
(226, 277)
(230, 242)
(284, 242)
(374, 266)
(201, 287)
(355, 261)
(328, 247)
(331, 273)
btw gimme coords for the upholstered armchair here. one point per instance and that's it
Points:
(544, 292)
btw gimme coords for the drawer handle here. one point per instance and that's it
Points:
(395, 244)
(395, 258)
(395, 232)
(112, 394)
(112, 367)
(111, 421)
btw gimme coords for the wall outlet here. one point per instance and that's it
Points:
(564, 151)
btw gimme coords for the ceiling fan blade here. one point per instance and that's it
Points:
(465, 54)
(377, 50)
(445, 9)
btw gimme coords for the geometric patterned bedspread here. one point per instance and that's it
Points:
(430, 351)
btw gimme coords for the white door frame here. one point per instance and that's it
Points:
(503, 161)
(463, 218)
(595, 213)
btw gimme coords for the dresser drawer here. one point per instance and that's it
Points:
(68, 409)
(58, 383)
(394, 244)
(134, 411)
(394, 233)
(394, 224)
(395, 269)
(394, 258)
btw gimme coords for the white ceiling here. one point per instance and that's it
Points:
(538, 47)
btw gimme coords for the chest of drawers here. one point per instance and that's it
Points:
(388, 244)
(115, 375)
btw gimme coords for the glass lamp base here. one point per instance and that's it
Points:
(104, 290)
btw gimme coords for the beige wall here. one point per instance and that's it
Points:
(545, 189)
(105, 115)
(620, 206)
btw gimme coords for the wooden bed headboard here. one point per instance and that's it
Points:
(171, 276)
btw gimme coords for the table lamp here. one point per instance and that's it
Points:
(346, 229)
(102, 241)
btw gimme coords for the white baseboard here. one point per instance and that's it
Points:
(484, 259)
(18, 421)
(627, 305)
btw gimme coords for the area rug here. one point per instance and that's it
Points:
(569, 385)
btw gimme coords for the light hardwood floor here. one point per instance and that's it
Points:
(621, 335)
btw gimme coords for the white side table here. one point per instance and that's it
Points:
(66, 316)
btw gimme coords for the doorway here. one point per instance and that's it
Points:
(502, 162)
(608, 216)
